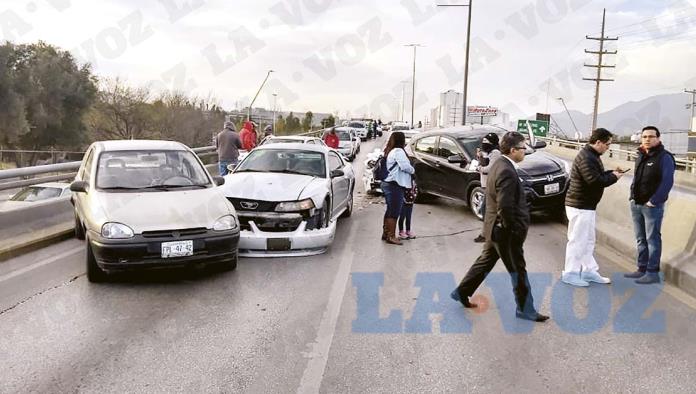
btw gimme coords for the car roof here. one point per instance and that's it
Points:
(293, 137)
(118, 145)
(294, 146)
(468, 131)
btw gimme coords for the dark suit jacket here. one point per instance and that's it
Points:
(506, 203)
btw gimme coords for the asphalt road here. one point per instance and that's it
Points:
(364, 317)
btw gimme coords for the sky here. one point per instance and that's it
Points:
(349, 56)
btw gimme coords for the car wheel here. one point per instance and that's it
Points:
(422, 197)
(349, 207)
(79, 229)
(476, 200)
(94, 273)
(231, 264)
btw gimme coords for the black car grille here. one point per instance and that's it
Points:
(538, 183)
(241, 204)
(174, 233)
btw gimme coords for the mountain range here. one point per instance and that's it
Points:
(668, 112)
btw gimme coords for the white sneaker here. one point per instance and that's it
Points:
(573, 279)
(594, 277)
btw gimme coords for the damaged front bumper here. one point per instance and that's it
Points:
(296, 243)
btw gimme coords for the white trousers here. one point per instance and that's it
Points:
(581, 241)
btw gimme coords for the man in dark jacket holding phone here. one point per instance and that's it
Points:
(653, 179)
(588, 179)
(505, 228)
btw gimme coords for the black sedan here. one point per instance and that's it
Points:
(443, 163)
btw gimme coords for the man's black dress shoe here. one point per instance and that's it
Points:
(533, 316)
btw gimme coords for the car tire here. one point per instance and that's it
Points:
(476, 201)
(422, 197)
(79, 229)
(231, 264)
(349, 208)
(94, 273)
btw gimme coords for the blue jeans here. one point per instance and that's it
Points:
(222, 167)
(405, 216)
(394, 196)
(647, 225)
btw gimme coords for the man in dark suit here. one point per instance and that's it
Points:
(505, 228)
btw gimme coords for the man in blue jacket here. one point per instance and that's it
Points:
(653, 179)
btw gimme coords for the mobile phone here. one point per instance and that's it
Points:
(625, 171)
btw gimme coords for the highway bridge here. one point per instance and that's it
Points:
(364, 317)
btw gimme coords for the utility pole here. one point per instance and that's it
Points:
(403, 86)
(599, 66)
(413, 80)
(466, 62)
(571, 118)
(257, 94)
(693, 103)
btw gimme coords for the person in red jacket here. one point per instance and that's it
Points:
(331, 139)
(248, 136)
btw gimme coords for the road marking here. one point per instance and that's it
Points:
(41, 263)
(319, 355)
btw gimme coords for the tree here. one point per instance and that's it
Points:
(328, 122)
(280, 126)
(121, 112)
(292, 124)
(307, 121)
(44, 96)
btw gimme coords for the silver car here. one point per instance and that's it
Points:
(150, 204)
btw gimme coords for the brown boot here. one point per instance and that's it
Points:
(391, 232)
(384, 230)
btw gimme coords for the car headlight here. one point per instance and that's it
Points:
(113, 230)
(568, 167)
(295, 206)
(227, 222)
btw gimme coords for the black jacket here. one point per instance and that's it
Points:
(654, 176)
(505, 201)
(588, 180)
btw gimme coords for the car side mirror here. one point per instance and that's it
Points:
(219, 181)
(539, 145)
(454, 159)
(337, 173)
(79, 187)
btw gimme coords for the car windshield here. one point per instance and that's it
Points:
(36, 193)
(343, 135)
(400, 127)
(150, 169)
(357, 125)
(284, 161)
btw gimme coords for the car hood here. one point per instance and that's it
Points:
(267, 186)
(151, 211)
(540, 163)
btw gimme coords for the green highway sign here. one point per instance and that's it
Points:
(540, 128)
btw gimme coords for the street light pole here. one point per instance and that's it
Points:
(257, 94)
(466, 62)
(275, 96)
(403, 104)
(413, 82)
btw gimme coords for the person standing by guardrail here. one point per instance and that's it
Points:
(331, 139)
(653, 179)
(228, 144)
(588, 179)
(248, 136)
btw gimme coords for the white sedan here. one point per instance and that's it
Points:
(42, 192)
(288, 198)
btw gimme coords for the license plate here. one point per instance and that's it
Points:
(177, 249)
(278, 244)
(552, 188)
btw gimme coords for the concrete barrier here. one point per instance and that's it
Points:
(615, 225)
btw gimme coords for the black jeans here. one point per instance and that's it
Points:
(509, 249)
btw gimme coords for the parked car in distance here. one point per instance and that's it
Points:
(50, 191)
(285, 139)
(445, 166)
(348, 142)
(360, 129)
(150, 204)
(289, 197)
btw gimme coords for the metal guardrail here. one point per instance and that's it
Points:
(686, 165)
(26, 176)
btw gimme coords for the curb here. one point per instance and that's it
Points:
(20, 248)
